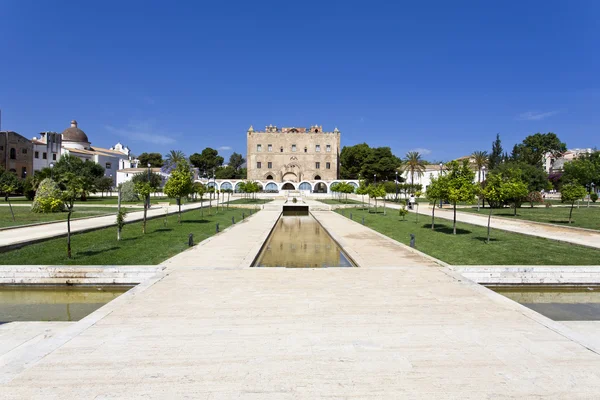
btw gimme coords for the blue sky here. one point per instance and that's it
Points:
(442, 76)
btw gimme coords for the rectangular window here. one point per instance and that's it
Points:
(293, 147)
(36, 154)
(107, 166)
(269, 165)
(258, 147)
(327, 165)
(305, 150)
(24, 151)
(317, 165)
(44, 156)
(281, 149)
(269, 148)
(328, 148)
(54, 156)
(318, 148)
(258, 165)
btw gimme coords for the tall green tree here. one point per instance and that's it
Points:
(154, 159)
(495, 157)
(570, 193)
(480, 159)
(236, 161)
(173, 158)
(413, 164)
(459, 186)
(535, 147)
(534, 177)
(585, 169)
(153, 178)
(207, 162)
(352, 159)
(180, 184)
(380, 162)
(87, 170)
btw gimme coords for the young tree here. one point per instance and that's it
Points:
(121, 215)
(535, 197)
(362, 190)
(493, 192)
(435, 192)
(376, 192)
(180, 184)
(515, 191)
(104, 184)
(200, 190)
(9, 188)
(460, 186)
(73, 186)
(144, 189)
(571, 192)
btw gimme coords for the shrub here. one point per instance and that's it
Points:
(294, 200)
(535, 197)
(128, 192)
(28, 189)
(48, 198)
(403, 212)
(594, 197)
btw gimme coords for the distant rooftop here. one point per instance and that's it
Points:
(292, 129)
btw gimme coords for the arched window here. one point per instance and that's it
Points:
(317, 177)
(305, 186)
(238, 187)
(269, 177)
(226, 186)
(271, 187)
(211, 184)
(13, 153)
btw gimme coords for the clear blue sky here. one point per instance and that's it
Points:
(442, 76)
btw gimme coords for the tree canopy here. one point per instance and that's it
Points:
(207, 161)
(154, 159)
(534, 148)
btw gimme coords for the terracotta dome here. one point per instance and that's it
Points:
(74, 134)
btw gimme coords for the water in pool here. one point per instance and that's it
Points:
(557, 303)
(300, 242)
(54, 303)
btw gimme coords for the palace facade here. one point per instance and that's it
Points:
(293, 154)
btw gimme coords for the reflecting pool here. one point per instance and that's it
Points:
(557, 303)
(301, 242)
(54, 303)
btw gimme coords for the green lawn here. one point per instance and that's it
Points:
(24, 216)
(249, 201)
(337, 201)
(469, 247)
(582, 218)
(102, 248)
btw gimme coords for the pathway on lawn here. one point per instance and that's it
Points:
(17, 236)
(399, 327)
(564, 234)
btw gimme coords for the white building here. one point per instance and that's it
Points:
(46, 149)
(555, 164)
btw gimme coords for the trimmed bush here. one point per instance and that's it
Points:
(47, 198)
(128, 192)
(594, 197)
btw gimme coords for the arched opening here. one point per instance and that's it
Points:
(238, 187)
(354, 184)
(290, 176)
(270, 178)
(320, 187)
(317, 177)
(271, 188)
(211, 184)
(226, 186)
(288, 186)
(305, 186)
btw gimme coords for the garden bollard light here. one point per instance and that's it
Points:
(190, 239)
(363, 220)
(412, 240)
(217, 227)
(232, 221)
(243, 216)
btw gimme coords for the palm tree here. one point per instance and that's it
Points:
(481, 159)
(174, 157)
(414, 164)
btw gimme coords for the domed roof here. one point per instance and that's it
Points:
(74, 134)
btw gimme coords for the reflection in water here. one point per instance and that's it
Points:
(54, 303)
(558, 304)
(300, 242)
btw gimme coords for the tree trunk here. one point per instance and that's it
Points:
(375, 205)
(11, 209)
(69, 232)
(571, 212)
(515, 214)
(383, 205)
(433, 216)
(201, 206)
(228, 199)
(179, 213)
(144, 223)
(454, 224)
(489, 220)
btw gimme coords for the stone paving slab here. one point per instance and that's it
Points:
(401, 326)
(19, 334)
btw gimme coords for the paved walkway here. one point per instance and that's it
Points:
(18, 236)
(565, 234)
(399, 327)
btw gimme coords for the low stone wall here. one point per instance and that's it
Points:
(76, 275)
(531, 275)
